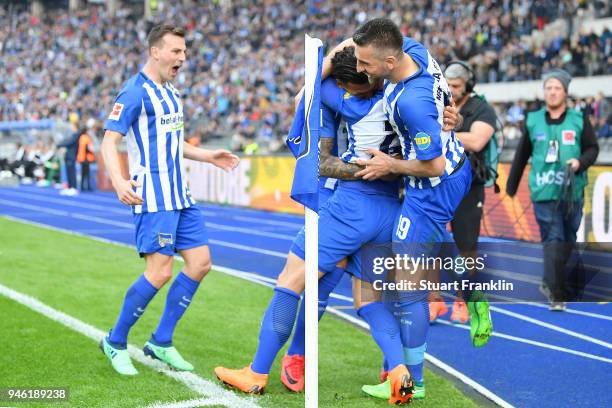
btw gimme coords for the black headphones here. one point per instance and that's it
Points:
(471, 82)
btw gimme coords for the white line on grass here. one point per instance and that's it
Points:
(191, 380)
(187, 404)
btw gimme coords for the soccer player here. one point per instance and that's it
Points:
(357, 213)
(437, 176)
(148, 113)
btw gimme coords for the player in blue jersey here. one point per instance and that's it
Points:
(359, 212)
(437, 176)
(148, 113)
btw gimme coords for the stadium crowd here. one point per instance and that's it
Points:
(241, 71)
(485, 33)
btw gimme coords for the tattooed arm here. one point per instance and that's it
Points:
(332, 166)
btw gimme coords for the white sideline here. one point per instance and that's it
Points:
(207, 402)
(192, 381)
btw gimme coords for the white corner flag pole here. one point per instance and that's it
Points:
(311, 297)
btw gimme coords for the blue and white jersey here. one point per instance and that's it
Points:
(414, 108)
(366, 126)
(366, 123)
(150, 116)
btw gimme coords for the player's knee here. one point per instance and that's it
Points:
(292, 277)
(159, 277)
(200, 268)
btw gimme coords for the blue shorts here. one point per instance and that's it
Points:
(349, 220)
(324, 195)
(167, 232)
(425, 212)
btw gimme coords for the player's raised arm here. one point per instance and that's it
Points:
(220, 158)
(326, 69)
(123, 187)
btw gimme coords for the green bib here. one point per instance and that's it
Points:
(545, 179)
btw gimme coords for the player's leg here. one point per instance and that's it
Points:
(385, 330)
(192, 244)
(343, 218)
(154, 241)
(466, 229)
(280, 315)
(276, 326)
(292, 367)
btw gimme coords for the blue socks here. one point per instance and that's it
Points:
(178, 300)
(136, 300)
(276, 327)
(327, 283)
(413, 318)
(385, 330)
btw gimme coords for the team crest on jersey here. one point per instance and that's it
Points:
(569, 137)
(422, 141)
(164, 239)
(116, 112)
(540, 136)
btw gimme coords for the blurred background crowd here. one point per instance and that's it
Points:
(245, 62)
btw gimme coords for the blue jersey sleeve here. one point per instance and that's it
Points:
(331, 123)
(332, 95)
(419, 114)
(125, 110)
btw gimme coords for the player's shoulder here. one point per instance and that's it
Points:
(416, 50)
(357, 108)
(133, 88)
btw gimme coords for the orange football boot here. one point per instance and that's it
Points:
(245, 379)
(402, 385)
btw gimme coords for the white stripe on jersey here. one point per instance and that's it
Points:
(390, 107)
(143, 129)
(184, 188)
(174, 140)
(161, 147)
(367, 133)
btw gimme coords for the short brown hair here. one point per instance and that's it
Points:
(157, 33)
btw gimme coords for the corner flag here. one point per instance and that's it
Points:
(303, 139)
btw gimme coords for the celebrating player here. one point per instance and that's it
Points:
(148, 112)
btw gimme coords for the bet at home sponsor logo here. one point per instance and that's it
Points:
(170, 122)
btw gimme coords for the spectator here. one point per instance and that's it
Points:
(71, 144)
(85, 155)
